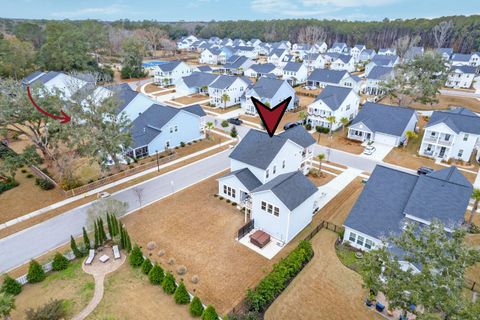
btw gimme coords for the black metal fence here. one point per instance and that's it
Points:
(245, 229)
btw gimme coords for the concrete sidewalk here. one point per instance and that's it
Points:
(328, 191)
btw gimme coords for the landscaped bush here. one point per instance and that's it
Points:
(35, 272)
(146, 266)
(54, 310)
(5, 186)
(322, 129)
(168, 284)
(181, 270)
(60, 262)
(182, 144)
(275, 282)
(11, 286)
(209, 313)
(234, 203)
(136, 257)
(228, 201)
(308, 126)
(156, 275)
(181, 295)
(195, 279)
(29, 176)
(196, 307)
(44, 184)
(23, 171)
(221, 198)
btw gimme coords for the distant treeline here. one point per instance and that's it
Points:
(465, 36)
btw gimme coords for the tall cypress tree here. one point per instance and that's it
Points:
(129, 243)
(73, 245)
(122, 238)
(86, 240)
(109, 225)
(97, 240)
(116, 224)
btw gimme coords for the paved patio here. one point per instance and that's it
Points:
(268, 251)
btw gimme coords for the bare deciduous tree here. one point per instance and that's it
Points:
(311, 35)
(442, 32)
(139, 194)
(404, 43)
(153, 36)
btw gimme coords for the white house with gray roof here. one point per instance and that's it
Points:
(461, 76)
(211, 56)
(51, 81)
(161, 127)
(387, 52)
(170, 72)
(227, 86)
(237, 65)
(339, 102)
(269, 91)
(452, 134)
(393, 197)
(314, 61)
(321, 78)
(366, 55)
(262, 69)
(374, 79)
(342, 62)
(197, 82)
(267, 178)
(338, 47)
(462, 59)
(383, 124)
(382, 60)
(356, 51)
(276, 56)
(295, 73)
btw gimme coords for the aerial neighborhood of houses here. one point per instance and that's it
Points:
(347, 155)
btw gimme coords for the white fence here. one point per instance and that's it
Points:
(47, 267)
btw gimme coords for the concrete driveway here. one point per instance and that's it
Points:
(381, 152)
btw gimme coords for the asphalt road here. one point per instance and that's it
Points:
(20, 247)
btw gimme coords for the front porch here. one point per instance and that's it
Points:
(359, 135)
(435, 151)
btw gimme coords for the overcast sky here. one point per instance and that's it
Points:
(168, 10)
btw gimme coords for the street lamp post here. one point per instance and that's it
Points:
(158, 162)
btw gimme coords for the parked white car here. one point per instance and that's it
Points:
(369, 150)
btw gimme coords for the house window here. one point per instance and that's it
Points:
(360, 240)
(274, 169)
(269, 208)
(447, 137)
(465, 137)
(283, 164)
(264, 206)
(167, 144)
(229, 191)
(276, 211)
(368, 244)
(224, 189)
(176, 128)
(267, 173)
(460, 153)
(171, 129)
(352, 237)
(141, 152)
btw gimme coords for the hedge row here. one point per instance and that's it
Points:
(276, 281)
(5, 186)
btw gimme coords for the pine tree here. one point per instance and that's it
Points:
(35, 272)
(97, 240)
(101, 231)
(11, 286)
(181, 295)
(136, 257)
(109, 225)
(122, 238)
(156, 275)
(86, 240)
(168, 284)
(146, 266)
(115, 224)
(196, 307)
(73, 246)
(209, 313)
(128, 244)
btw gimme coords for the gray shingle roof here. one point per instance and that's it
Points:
(246, 177)
(327, 75)
(263, 68)
(31, 77)
(299, 135)
(237, 63)
(277, 52)
(124, 93)
(199, 79)
(384, 60)
(267, 87)
(461, 57)
(339, 45)
(459, 120)
(195, 109)
(45, 77)
(344, 57)
(464, 69)
(204, 68)
(384, 119)
(390, 194)
(223, 82)
(291, 188)
(380, 73)
(169, 66)
(333, 96)
(447, 51)
(292, 66)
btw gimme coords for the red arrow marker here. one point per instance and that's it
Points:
(271, 116)
(64, 117)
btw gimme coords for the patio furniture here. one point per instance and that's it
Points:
(91, 255)
(379, 307)
(104, 258)
(260, 238)
(116, 252)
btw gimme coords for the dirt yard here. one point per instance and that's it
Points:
(198, 231)
(320, 180)
(324, 289)
(191, 99)
(221, 110)
(338, 140)
(129, 295)
(72, 285)
(151, 87)
(444, 102)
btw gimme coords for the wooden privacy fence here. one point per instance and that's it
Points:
(114, 177)
(245, 229)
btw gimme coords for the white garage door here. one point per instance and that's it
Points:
(385, 139)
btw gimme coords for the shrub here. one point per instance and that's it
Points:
(171, 261)
(308, 126)
(35, 272)
(53, 310)
(23, 171)
(44, 184)
(221, 198)
(146, 266)
(156, 275)
(181, 270)
(234, 203)
(181, 295)
(73, 246)
(182, 144)
(11, 286)
(276, 281)
(136, 257)
(195, 279)
(209, 313)
(5, 186)
(196, 307)
(228, 201)
(233, 132)
(168, 283)
(29, 176)
(60, 262)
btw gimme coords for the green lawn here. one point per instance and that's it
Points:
(347, 256)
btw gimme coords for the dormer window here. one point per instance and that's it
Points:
(267, 174)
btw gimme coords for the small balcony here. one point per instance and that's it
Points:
(438, 140)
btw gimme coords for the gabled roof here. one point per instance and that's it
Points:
(344, 57)
(263, 67)
(277, 52)
(368, 52)
(459, 120)
(291, 188)
(383, 50)
(124, 93)
(238, 63)
(384, 60)
(447, 51)
(169, 66)
(267, 87)
(195, 109)
(244, 48)
(292, 66)
(199, 79)
(327, 75)
(380, 73)
(299, 135)
(339, 45)
(333, 96)
(224, 81)
(383, 118)
(28, 79)
(40, 77)
(461, 57)
(464, 69)
(246, 177)
(390, 194)
(204, 68)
